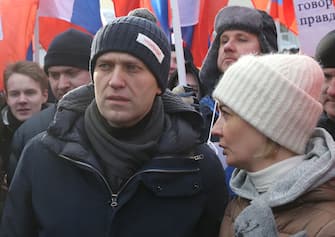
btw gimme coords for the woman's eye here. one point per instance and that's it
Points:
(224, 113)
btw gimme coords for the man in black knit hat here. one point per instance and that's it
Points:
(123, 157)
(325, 55)
(66, 64)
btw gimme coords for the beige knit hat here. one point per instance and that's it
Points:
(278, 94)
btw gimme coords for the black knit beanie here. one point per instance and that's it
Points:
(237, 18)
(69, 48)
(325, 50)
(138, 37)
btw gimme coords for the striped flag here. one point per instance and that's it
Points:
(56, 16)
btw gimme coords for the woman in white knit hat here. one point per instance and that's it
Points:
(285, 166)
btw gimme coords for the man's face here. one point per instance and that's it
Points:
(328, 92)
(65, 78)
(234, 44)
(125, 89)
(24, 96)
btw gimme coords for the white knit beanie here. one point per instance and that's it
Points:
(278, 94)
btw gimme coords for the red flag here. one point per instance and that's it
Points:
(283, 10)
(122, 7)
(17, 20)
(57, 25)
(204, 29)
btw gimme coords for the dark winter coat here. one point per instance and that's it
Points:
(30, 128)
(59, 189)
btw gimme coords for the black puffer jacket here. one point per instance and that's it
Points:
(59, 188)
(30, 128)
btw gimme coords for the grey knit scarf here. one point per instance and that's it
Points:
(123, 151)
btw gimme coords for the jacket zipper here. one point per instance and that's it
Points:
(114, 196)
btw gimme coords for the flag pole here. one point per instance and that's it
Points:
(36, 40)
(178, 43)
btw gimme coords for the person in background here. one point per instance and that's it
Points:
(66, 64)
(285, 167)
(26, 93)
(325, 55)
(132, 149)
(188, 57)
(193, 91)
(192, 80)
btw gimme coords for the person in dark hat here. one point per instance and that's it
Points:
(66, 64)
(325, 55)
(123, 156)
(66, 61)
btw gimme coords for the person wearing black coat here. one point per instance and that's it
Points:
(66, 64)
(124, 157)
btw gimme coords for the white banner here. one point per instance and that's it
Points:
(1, 33)
(314, 20)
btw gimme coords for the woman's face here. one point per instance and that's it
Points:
(241, 141)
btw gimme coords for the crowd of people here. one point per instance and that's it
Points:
(103, 140)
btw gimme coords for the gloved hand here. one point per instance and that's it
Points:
(187, 95)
